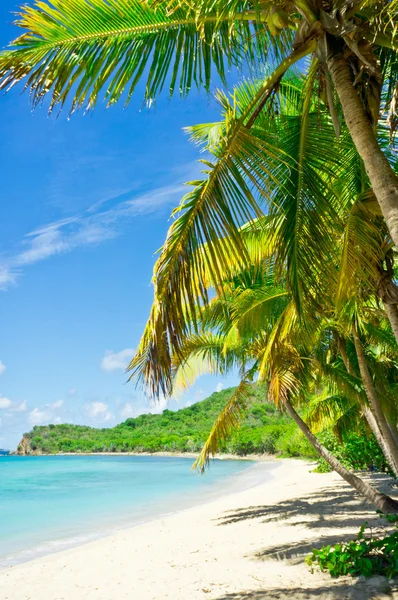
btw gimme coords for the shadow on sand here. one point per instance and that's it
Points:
(382, 590)
(337, 507)
(333, 507)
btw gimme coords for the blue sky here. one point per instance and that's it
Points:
(85, 204)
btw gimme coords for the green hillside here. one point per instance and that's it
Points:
(265, 430)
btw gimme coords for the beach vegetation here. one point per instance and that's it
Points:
(367, 556)
(264, 430)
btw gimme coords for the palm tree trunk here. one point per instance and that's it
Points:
(342, 346)
(392, 314)
(378, 413)
(382, 502)
(370, 418)
(382, 177)
(394, 431)
(367, 413)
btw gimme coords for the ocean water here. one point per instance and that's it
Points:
(48, 503)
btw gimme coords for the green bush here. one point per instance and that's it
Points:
(358, 451)
(293, 444)
(363, 556)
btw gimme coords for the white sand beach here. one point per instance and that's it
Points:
(248, 545)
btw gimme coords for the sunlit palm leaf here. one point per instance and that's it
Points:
(200, 354)
(84, 48)
(363, 249)
(228, 420)
(236, 186)
(325, 410)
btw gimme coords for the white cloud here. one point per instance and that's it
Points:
(199, 395)
(94, 226)
(116, 361)
(5, 402)
(159, 405)
(8, 277)
(56, 405)
(72, 391)
(39, 416)
(2, 367)
(42, 246)
(219, 386)
(128, 411)
(45, 414)
(21, 407)
(98, 410)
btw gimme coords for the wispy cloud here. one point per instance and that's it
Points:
(12, 407)
(20, 408)
(128, 411)
(56, 405)
(94, 226)
(5, 402)
(116, 361)
(2, 367)
(44, 414)
(39, 416)
(8, 276)
(99, 411)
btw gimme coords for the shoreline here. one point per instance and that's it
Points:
(218, 456)
(254, 474)
(246, 544)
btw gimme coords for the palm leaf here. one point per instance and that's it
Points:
(82, 48)
(200, 354)
(212, 214)
(229, 419)
(326, 409)
(256, 306)
(363, 249)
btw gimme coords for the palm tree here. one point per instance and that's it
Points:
(253, 327)
(80, 50)
(359, 365)
(325, 215)
(83, 48)
(270, 241)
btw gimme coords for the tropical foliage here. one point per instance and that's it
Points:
(303, 312)
(280, 262)
(263, 430)
(368, 555)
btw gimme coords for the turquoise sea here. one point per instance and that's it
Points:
(48, 503)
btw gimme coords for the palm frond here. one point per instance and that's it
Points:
(229, 419)
(212, 214)
(363, 249)
(84, 48)
(256, 306)
(325, 409)
(309, 204)
(200, 354)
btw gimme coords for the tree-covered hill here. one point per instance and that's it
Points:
(265, 430)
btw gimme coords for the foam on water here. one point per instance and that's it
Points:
(50, 503)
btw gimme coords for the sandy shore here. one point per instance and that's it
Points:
(248, 545)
